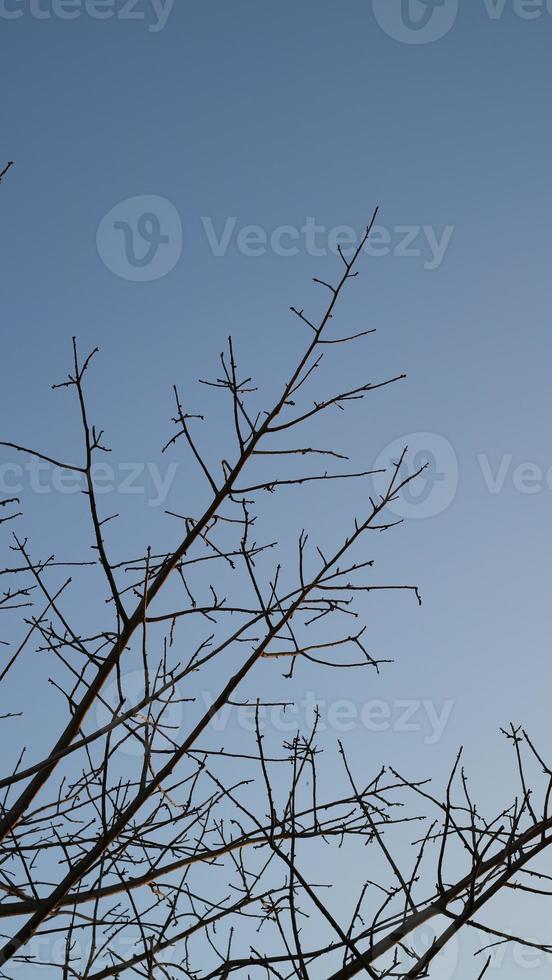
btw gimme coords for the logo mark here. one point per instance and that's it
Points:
(416, 21)
(131, 686)
(434, 489)
(140, 239)
(446, 961)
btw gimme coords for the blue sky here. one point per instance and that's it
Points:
(246, 117)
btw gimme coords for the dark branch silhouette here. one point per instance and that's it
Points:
(132, 846)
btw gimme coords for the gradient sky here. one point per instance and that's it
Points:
(287, 113)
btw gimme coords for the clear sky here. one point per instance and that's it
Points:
(226, 115)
